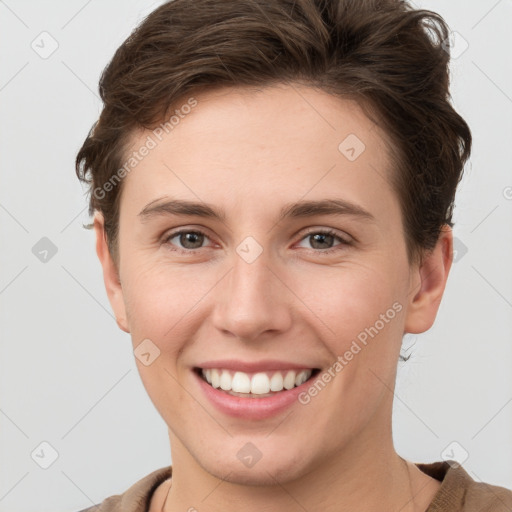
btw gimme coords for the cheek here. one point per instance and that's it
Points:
(360, 313)
(347, 300)
(161, 299)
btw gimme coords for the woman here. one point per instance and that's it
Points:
(272, 184)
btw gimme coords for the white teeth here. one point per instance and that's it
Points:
(225, 380)
(258, 383)
(215, 378)
(276, 382)
(289, 380)
(301, 377)
(241, 383)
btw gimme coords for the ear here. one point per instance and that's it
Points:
(110, 274)
(428, 282)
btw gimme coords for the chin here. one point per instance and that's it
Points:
(265, 475)
(271, 469)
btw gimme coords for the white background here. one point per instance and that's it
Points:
(67, 373)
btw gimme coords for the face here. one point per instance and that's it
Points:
(291, 265)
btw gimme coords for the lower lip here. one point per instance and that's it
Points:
(251, 408)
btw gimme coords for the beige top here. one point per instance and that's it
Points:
(458, 492)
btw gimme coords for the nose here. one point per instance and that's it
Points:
(253, 301)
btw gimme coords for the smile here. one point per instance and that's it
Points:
(255, 385)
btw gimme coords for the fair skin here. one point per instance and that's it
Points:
(250, 153)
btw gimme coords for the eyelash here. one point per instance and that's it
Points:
(343, 243)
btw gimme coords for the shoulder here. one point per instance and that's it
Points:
(460, 492)
(484, 497)
(136, 498)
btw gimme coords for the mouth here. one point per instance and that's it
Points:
(260, 384)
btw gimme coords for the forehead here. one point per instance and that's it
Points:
(247, 143)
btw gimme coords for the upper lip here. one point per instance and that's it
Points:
(254, 366)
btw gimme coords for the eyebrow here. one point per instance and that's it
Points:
(300, 209)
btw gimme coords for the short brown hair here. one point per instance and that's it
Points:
(392, 59)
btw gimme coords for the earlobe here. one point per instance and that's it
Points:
(110, 274)
(428, 283)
